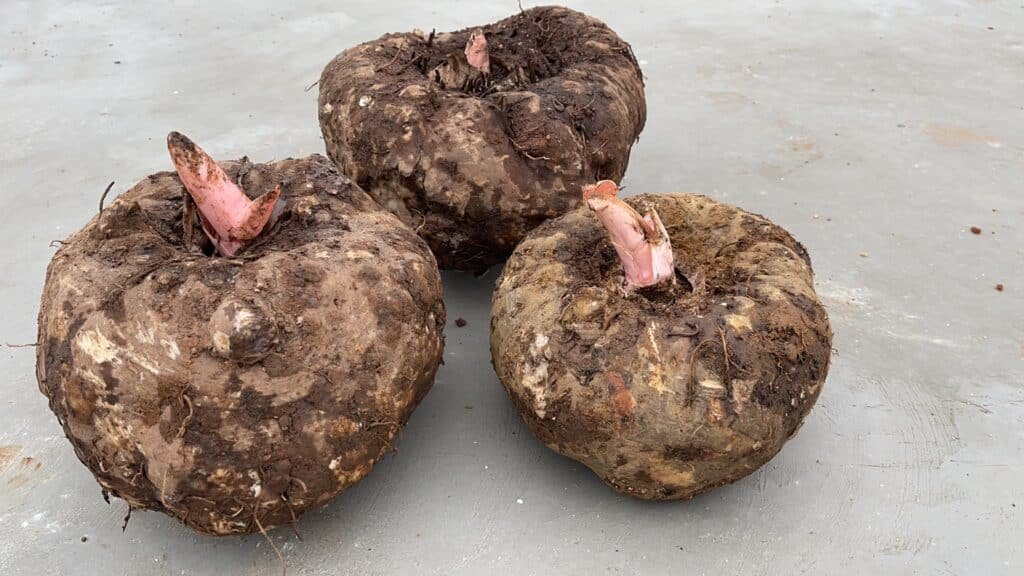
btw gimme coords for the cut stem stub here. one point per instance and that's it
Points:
(641, 242)
(230, 218)
(476, 51)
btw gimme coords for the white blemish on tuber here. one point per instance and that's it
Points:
(657, 379)
(243, 317)
(358, 255)
(710, 384)
(535, 374)
(101, 349)
(97, 346)
(221, 343)
(257, 487)
(171, 348)
(739, 322)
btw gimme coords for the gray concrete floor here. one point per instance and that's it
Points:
(877, 131)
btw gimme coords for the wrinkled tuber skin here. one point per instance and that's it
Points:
(238, 392)
(663, 392)
(476, 165)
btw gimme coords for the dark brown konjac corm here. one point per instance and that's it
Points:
(237, 393)
(474, 161)
(667, 391)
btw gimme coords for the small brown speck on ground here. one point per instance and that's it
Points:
(975, 230)
(999, 287)
(468, 407)
(864, 254)
(460, 322)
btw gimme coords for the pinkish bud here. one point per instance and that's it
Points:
(476, 51)
(641, 242)
(229, 217)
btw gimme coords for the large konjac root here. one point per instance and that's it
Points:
(668, 393)
(237, 393)
(475, 137)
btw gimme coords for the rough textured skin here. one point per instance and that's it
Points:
(474, 162)
(234, 393)
(670, 391)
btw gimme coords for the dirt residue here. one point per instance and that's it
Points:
(474, 165)
(8, 454)
(955, 136)
(237, 393)
(666, 392)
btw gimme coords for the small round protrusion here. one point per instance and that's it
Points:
(243, 331)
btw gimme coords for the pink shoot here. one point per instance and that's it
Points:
(229, 217)
(641, 242)
(476, 51)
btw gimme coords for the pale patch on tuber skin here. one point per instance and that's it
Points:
(476, 51)
(229, 217)
(641, 242)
